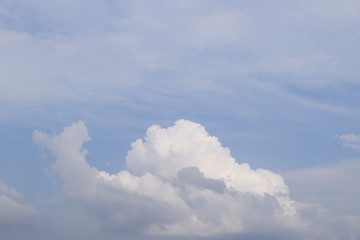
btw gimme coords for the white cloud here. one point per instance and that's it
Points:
(350, 140)
(181, 182)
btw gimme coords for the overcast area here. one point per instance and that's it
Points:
(179, 119)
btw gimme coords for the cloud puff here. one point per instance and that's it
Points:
(350, 140)
(181, 181)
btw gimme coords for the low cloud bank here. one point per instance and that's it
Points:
(180, 181)
(332, 185)
(14, 211)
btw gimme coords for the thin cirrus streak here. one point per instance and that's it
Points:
(350, 140)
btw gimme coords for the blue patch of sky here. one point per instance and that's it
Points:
(22, 161)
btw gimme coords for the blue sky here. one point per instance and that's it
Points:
(277, 82)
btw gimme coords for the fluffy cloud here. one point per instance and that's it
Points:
(180, 181)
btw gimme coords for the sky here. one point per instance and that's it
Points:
(179, 119)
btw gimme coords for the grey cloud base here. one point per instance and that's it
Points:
(180, 181)
(15, 214)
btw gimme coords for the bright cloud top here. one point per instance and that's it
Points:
(180, 181)
(167, 151)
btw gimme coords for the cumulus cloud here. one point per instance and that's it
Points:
(350, 140)
(180, 181)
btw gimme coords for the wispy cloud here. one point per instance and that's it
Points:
(14, 211)
(279, 76)
(350, 140)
